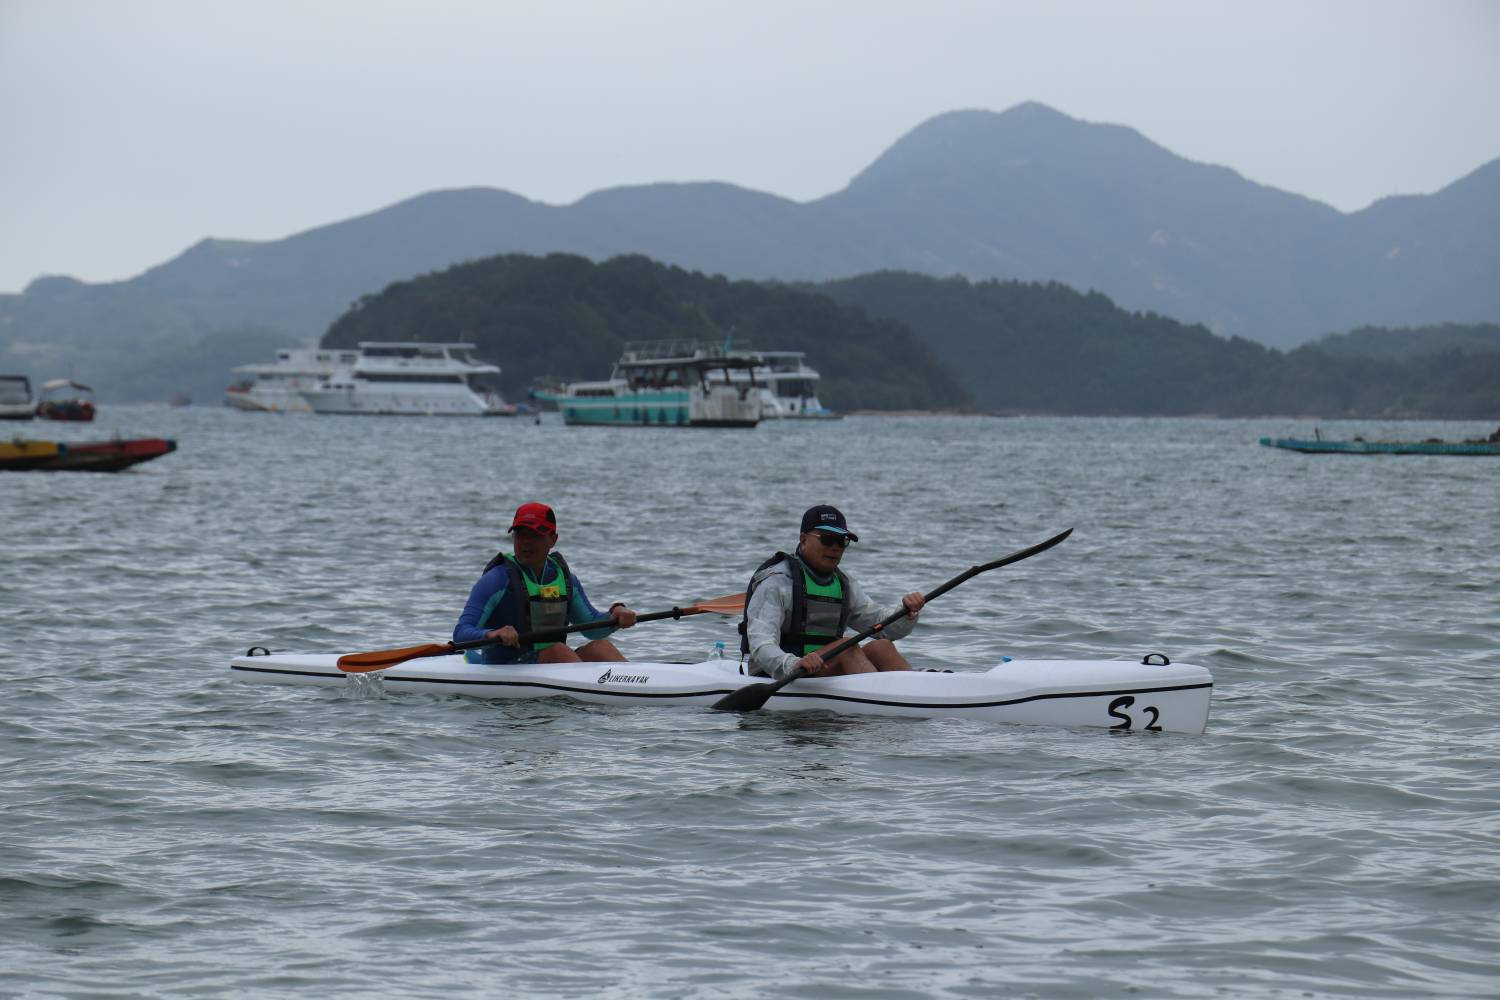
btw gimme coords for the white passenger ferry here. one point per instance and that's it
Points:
(789, 387)
(667, 383)
(411, 378)
(276, 387)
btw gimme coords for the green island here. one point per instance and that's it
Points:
(898, 341)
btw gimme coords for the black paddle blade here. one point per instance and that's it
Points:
(746, 699)
(753, 696)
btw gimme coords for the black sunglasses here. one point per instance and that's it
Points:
(830, 538)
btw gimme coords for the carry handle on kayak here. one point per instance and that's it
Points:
(359, 663)
(753, 696)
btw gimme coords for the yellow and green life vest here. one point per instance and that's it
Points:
(545, 605)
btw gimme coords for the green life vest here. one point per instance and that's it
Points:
(819, 612)
(546, 603)
(545, 606)
(823, 615)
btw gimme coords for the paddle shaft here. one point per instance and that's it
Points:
(748, 699)
(548, 634)
(355, 663)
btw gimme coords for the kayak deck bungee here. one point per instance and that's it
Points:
(1111, 694)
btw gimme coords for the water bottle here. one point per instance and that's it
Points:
(718, 651)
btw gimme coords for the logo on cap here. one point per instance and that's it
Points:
(826, 517)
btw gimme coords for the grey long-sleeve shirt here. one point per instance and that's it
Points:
(771, 605)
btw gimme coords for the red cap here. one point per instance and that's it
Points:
(536, 516)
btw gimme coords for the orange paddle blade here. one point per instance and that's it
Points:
(359, 663)
(729, 604)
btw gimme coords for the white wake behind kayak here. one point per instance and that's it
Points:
(1112, 694)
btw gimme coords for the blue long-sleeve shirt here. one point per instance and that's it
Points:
(488, 592)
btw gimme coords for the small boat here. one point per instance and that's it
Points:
(15, 398)
(1147, 694)
(64, 399)
(789, 387)
(411, 379)
(82, 456)
(1359, 446)
(667, 383)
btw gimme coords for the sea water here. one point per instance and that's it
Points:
(168, 832)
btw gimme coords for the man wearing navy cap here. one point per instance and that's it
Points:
(799, 604)
(532, 591)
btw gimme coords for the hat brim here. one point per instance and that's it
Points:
(835, 531)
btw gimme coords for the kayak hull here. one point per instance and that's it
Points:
(1110, 694)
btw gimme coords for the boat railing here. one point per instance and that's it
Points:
(659, 350)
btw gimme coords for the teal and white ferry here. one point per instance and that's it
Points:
(667, 383)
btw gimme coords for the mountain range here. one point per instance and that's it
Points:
(1027, 194)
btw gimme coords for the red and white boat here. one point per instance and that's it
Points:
(64, 399)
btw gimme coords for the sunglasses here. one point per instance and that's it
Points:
(830, 539)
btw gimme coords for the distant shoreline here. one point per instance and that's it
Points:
(1387, 418)
(917, 413)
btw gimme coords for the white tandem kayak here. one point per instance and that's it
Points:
(1150, 694)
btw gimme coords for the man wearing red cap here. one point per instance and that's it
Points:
(798, 605)
(533, 591)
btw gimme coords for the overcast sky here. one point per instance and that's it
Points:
(130, 129)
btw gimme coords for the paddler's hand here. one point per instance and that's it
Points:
(507, 635)
(812, 665)
(913, 603)
(623, 616)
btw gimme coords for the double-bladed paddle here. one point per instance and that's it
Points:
(359, 663)
(753, 696)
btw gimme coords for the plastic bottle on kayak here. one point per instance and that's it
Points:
(718, 651)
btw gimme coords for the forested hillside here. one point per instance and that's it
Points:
(895, 341)
(1046, 348)
(563, 316)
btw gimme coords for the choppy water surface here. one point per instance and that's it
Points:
(170, 833)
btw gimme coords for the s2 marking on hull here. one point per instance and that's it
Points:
(1126, 722)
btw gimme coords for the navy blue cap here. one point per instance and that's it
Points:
(827, 518)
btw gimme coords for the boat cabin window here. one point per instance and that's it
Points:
(406, 377)
(15, 390)
(653, 377)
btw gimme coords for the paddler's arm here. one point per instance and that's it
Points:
(580, 609)
(763, 617)
(864, 612)
(487, 592)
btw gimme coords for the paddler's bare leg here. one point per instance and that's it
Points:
(558, 652)
(851, 661)
(597, 651)
(884, 654)
(600, 651)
